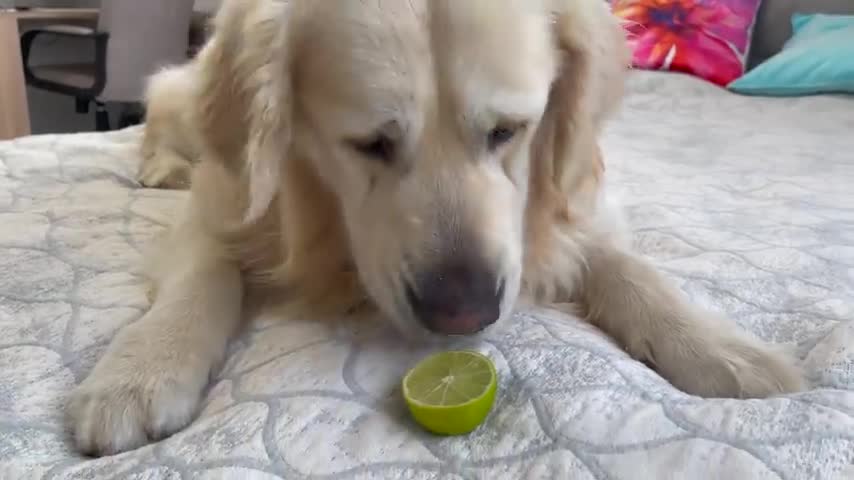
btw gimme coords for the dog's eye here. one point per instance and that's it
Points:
(500, 135)
(380, 147)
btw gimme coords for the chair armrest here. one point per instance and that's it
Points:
(68, 30)
(100, 40)
(30, 36)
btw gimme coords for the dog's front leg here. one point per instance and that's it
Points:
(150, 381)
(695, 350)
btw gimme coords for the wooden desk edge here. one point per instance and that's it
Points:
(53, 13)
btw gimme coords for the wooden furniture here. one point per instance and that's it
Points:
(14, 111)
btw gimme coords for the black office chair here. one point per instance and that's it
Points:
(83, 81)
(134, 39)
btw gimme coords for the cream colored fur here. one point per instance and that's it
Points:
(170, 145)
(284, 209)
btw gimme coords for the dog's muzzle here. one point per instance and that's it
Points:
(457, 298)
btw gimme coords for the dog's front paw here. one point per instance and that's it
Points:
(165, 170)
(760, 370)
(119, 408)
(729, 365)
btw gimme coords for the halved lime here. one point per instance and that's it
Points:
(451, 393)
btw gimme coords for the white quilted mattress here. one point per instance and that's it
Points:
(747, 203)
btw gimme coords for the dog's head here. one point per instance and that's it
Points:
(430, 123)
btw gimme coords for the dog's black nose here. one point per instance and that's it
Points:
(456, 299)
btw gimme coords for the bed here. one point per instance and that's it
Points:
(746, 203)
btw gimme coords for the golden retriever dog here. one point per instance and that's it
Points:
(434, 159)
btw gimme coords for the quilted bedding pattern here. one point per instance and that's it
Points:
(746, 203)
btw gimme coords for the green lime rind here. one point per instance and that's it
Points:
(451, 393)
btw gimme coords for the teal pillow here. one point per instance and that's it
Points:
(819, 58)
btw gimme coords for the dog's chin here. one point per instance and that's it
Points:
(421, 335)
(413, 331)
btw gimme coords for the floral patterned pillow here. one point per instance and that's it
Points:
(706, 38)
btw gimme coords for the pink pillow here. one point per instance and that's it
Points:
(706, 38)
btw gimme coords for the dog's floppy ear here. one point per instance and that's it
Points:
(593, 61)
(244, 98)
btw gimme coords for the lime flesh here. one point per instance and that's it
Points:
(451, 393)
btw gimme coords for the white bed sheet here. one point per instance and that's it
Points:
(747, 203)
